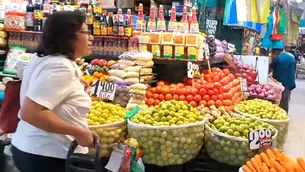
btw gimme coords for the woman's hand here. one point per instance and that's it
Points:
(85, 83)
(85, 137)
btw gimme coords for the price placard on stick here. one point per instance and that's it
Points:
(260, 139)
(103, 90)
(193, 70)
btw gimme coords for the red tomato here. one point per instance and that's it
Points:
(206, 98)
(155, 96)
(173, 86)
(158, 89)
(197, 98)
(194, 104)
(236, 82)
(211, 102)
(156, 102)
(180, 85)
(214, 69)
(218, 103)
(210, 92)
(203, 102)
(216, 85)
(149, 94)
(203, 91)
(181, 91)
(209, 86)
(216, 78)
(225, 89)
(189, 98)
(213, 97)
(197, 86)
(194, 91)
(189, 82)
(168, 97)
(224, 81)
(172, 90)
(221, 75)
(181, 97)
(165, 90)
(160, 82)
(231, 77)
(227, 102)
(150, 102)
(226, 72)
(152, 90)
(161, 97)
(188, 91)
(206, 77)
(215, 91)
(219, 96)
(175, 97)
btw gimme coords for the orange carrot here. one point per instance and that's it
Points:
(272, 170)
(288, 166)
(278, 154)
(297, 167)
(258, 159)
(269, 153)
(255, 164)
(250, 166)
(265, 159)
(265, 168)
(246, 169)
(278, 167)
(272, 161)
(301, 162)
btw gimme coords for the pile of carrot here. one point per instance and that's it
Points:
(274, 161)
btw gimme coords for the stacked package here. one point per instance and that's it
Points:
(137, 96)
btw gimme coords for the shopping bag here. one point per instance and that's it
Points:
(10, 107)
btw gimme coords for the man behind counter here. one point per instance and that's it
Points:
(283, 66)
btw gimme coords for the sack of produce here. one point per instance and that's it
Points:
(143, 56)
(226, 139)
(170, 133)
(137, 93)
(117, 73)
(122, 95)
(107, 121)
(267, 112)
(128, 55)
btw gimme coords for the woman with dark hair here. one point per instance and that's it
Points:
(53, 98)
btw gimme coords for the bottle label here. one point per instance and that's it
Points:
(172, 26)
(121, 30)
(139, 25)
(128, 31)
(194, 28)
(183, 27)
(109, 31)
(96, 29)
(29, 19)
(161, 26)
(151, 26)
(115, 30)
(38, 14)
(103, 30)
(89, 20)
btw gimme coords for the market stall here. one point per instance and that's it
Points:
(172, 96)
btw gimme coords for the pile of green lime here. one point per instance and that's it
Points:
(169, 134)
(226, 139)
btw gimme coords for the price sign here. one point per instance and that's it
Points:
(193, 70)
(243, 83)
(260, 139)
(211, 26)
(103, 90)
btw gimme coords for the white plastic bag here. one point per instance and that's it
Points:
(117, 73)
(143, 56)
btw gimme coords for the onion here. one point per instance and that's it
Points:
(267, 87)
(258, 90)
(271, 97)
(261, 94)
(270, 92)
(264, 90)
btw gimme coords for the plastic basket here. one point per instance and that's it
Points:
(109, 134)
(227, 149)
(168, 145)
(281, 125)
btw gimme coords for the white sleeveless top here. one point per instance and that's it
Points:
(52, 82)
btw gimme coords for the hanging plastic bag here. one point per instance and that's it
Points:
(136, 166)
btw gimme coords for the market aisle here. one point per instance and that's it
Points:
(296, 138)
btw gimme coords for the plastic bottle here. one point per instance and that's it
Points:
(194, 27)
(172, 25)
(151, 26)
(161, 21)
(138, 26)
(184, 26)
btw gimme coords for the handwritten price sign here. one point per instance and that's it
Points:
(103, 90)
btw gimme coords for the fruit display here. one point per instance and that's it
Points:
(107, 121)
(267, 112)
(97, 70)
(170, 133)
(216, 87)
(273, 161)
(212, 113)
(246, 71)
(226, 139)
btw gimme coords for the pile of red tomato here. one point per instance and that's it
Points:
(216, 87)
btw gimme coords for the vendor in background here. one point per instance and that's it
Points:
(284, 67)
(53, 100)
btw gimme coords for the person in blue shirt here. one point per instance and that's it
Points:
(284, 67)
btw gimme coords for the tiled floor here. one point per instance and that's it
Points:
(295, 142)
